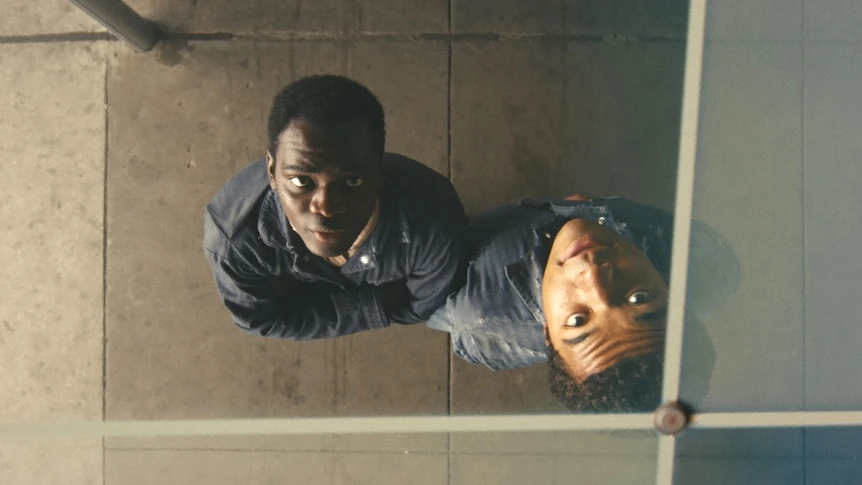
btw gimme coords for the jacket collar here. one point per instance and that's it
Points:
(525, 275)
(393, 228)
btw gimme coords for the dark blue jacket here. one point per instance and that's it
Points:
(274, 287)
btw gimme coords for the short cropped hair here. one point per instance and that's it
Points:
(327, 100)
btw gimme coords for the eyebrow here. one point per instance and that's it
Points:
(653, 317)
(577, 340)
(305, 168)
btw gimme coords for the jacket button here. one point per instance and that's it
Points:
(602, 220)
(364, 259)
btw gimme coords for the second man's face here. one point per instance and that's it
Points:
(327, 180)
(603, 299)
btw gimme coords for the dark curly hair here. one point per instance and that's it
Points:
(327, 100)
(633, 385)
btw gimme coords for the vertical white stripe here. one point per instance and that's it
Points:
(684, 193)
(682, 226)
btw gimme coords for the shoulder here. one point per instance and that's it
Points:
(402, 169)
(417, 186)
(500, 351)
(235, 209)
(425, 199)
(639, 214)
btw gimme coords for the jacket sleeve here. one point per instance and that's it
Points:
(439, 264)
(281, 307)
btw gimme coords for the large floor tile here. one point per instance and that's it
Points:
(272, 15)
(739, 471)
(560, 468)
(603, 469)
(545, 16)
(533, 120)
(663, 18)
(507, 116)
(51, 460)
(598, 443)
(52, 137)
(833, 455)
(173, 141)
(478, 390)
(502, 469)
(169, 467)
(621, 123)
(585, 17)
(754, 20)
(748, 187)
(833, 233)
(833, 20)
(41, 17)
(754, 444)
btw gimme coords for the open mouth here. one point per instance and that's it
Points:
(583, 243)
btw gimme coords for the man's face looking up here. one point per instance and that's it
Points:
(327, 180)
(603, 300)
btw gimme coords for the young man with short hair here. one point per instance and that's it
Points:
(329, 235)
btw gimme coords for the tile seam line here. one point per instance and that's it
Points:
(351, 36)
(396, 452)
(802, 46)
(440, 36)
(104, 386)
(280, 450)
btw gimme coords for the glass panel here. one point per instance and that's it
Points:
(110, 157)
(771, 309)
(786, 456)
(552, 458)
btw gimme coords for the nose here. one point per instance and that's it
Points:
(598, 279)
(326, 202)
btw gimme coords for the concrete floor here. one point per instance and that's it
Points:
(109, 157)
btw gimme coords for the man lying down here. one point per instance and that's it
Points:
(579, 283)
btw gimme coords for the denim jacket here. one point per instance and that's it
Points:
(496, 319)
(274, 287)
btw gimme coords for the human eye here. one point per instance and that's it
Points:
(641, 297)
(576, 320)
(353, 182)
(300, 182)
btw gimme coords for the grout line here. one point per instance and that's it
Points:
(352, 36)
(66, 37)
(281, 450)
(804, 231)
(449, 366)
(105, 268)
(450, 36)
(449, 113)
(407, 452)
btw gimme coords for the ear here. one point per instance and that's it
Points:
(270, 169)
(545, 331)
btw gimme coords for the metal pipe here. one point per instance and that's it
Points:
(122, 21)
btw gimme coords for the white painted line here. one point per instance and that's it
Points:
(684, 198)
(295, 426)
(666, 460)
(795, 419)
